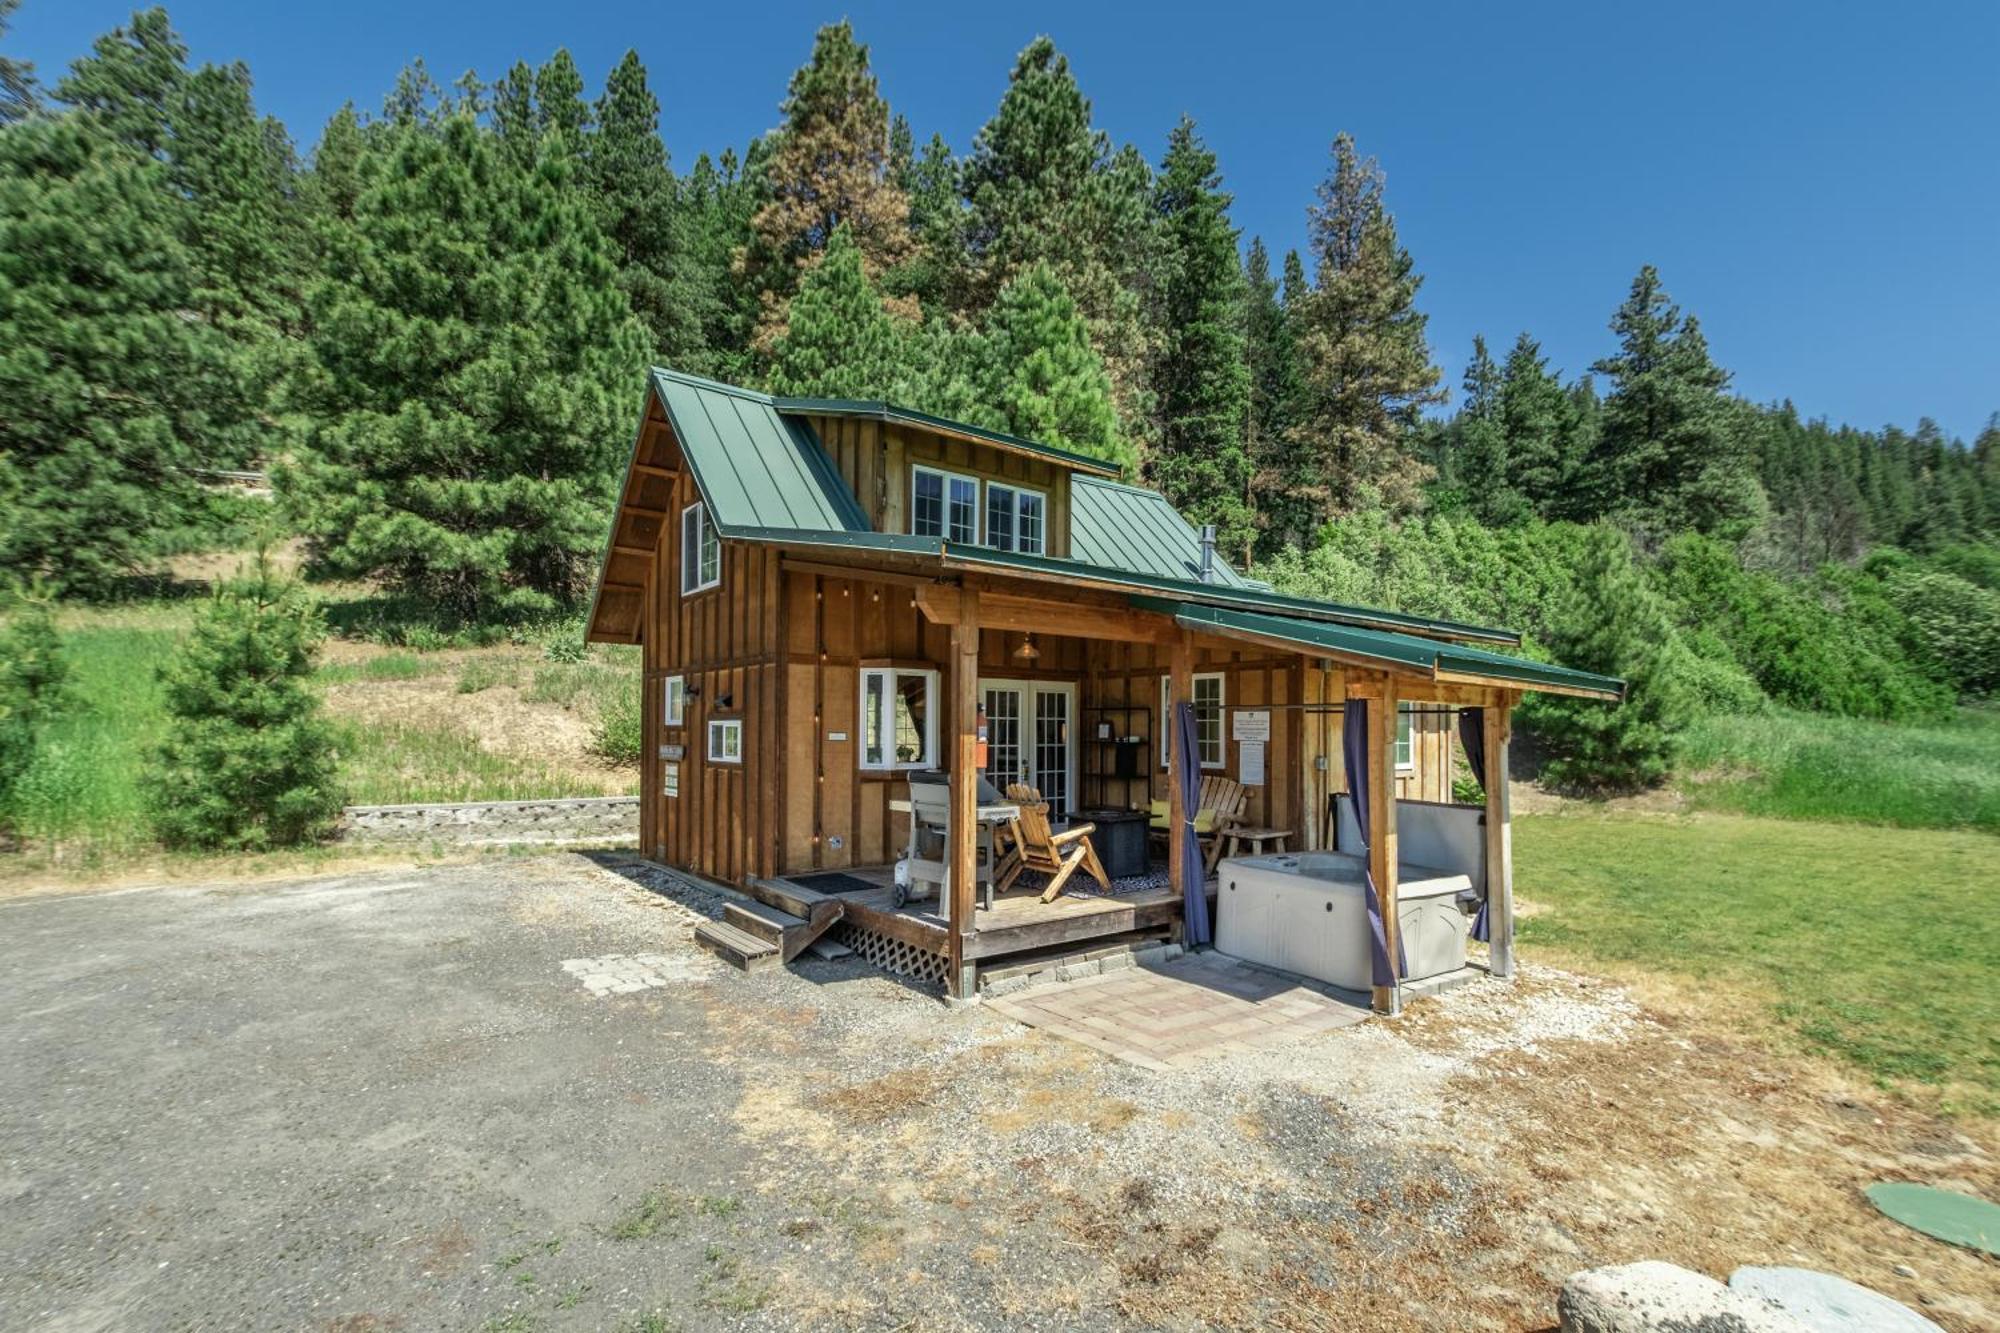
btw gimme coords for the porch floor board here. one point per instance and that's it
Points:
(1017, 922)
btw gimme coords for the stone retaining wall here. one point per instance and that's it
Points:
(599, 820)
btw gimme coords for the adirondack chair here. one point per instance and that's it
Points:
(1056, 855)
(1218, 805)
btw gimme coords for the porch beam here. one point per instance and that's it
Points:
(1499, 728)
(962, 849)
(1382, 861)
(1180, 675)
(1013, 613)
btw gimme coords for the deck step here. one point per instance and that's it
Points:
(737, 947)
(765, 922)
(787, 897)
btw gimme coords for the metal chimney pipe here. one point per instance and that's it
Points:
(1208, 553)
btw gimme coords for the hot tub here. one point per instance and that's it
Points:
(1307, 912)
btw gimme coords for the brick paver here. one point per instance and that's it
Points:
(1175, 1014)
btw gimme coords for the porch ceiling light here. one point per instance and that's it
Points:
(1027, 652)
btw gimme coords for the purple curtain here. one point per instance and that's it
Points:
(1472, 735)
(1194, 877)
(1354, 748)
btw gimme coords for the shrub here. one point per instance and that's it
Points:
(248, 762)
(618, 736)
(1954, 625)
(1612, 621)
(479, 673)
(34, 679)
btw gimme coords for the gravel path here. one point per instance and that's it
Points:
(513, 1095)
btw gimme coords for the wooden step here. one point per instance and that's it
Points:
(788, 897)
(738, 947)
(766, 923)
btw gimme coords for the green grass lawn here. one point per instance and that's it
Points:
(1878, 945)
(1808, 766)
(81, 804)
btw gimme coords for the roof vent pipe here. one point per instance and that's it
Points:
(1208, 553)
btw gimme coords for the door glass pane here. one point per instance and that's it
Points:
(1208, 717)
(1052, 750)
(1003, 737)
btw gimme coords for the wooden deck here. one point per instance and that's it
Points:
(1017, 923)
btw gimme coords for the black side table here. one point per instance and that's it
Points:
(1120, 839)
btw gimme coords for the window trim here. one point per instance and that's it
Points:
(948, 477)
(1221, 679)
(725, 726)
(673, 701)
(1017, 490)
(1406, 745)
(692, 567)
(890, 764)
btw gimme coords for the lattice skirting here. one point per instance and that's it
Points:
(905, 960)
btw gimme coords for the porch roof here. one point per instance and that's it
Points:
(1397, 652)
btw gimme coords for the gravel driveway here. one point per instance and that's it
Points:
(513, 1095)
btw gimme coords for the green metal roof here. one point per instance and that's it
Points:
(1404, 651)
(1130, 528)
(877, 410)
(756, 467)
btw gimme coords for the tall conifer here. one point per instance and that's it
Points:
(1043, 378)
(1367, 365)
(1201, 381)
(839, 341)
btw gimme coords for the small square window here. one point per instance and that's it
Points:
(673, 701)
(701, 550)
(725, 740)
(1208, 703)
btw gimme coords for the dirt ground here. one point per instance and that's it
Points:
(430, 1123)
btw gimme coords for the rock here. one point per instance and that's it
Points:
(1904, 1270)
(1655, 1297)
(1829, 1304)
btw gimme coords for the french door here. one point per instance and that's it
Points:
(1030, 726)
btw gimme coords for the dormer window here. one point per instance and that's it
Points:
(944, 504)
(1014, 518)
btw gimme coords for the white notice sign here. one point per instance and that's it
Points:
(1251, 724)
(1250, 763)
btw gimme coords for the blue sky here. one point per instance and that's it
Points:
(1820, 183)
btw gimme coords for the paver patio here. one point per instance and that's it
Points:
(1196, 1007)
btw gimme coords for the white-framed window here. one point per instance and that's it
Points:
(725, 740)
(701, 550)
(673, 701)
(1406, 751)
(898, 718)
(1015, 518)
(944, 504)
(1208, 704)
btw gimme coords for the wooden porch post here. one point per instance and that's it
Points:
(1499, 727)
(1180, 674)
(962, 851)
(1382, 832)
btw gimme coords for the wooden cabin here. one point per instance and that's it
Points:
(831, 594)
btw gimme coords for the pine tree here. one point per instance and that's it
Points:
(248, 761)
(1666, 452)
(639, 208)
(1042, 186)
(131, 81)
(1539, 421)
(1042, 377)
(839, 341)
(559, 104)
(1611, 620)
(17, 77)
(936, 271)
(474, 368)
(828, 168)
(1478, 464)
(1368, 370)
(717, 200)
(1201, 380)
(1273, 363)
(332, 183)
(108, 384)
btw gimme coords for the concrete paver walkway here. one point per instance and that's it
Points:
(1171, 1015)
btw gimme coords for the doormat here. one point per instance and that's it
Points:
(833, 881)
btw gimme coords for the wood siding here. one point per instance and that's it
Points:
(875, 458)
